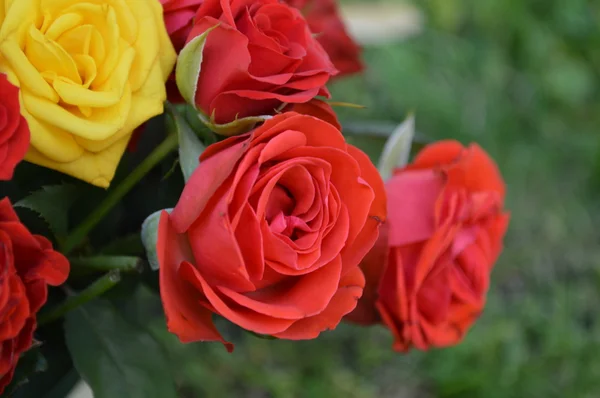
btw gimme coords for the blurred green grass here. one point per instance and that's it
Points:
(521, 78)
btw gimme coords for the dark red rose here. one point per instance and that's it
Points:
(28, 264)
(324, 20)
(260, 55)
(14, 131)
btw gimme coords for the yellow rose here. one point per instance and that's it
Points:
(90, 72)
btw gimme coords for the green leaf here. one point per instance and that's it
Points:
(52, 203)
(150, 235)
(189, 63)
(238, 126)
(190, 147)
(115, 357)
(206, 135)
(143, 307)
(396, 151)
(56, 381)
(30, 363)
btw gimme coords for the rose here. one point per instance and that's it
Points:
(89, 74)
(259, 55)
(324, 20)
(429, 277)
(14, 132)
(269, 232)
(27, 265)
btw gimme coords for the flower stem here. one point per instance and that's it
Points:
(107, 263)
(115, 195)
(94, 290)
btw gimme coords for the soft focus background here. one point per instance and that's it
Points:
(521, 78)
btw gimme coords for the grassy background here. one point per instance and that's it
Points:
(521, 78)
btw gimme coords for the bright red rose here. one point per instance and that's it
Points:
(269, 232)
(260, 55)
(428, 279)
(27, 266)
(14, 131)
(324, 20)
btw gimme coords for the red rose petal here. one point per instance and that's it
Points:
(185, 317)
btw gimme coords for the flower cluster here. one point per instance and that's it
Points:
(283, 228)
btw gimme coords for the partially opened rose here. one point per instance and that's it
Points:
(28, 264)
(428, 279)
(14, 131)
(259, 55)
(90, 72)
(325, 21)
(269, 232)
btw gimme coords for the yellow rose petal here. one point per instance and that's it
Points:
(47, 55)
(19, 16)
(28, 76)
(97, 169)
(147, 46)
(56, 115)
(167, 54)
(63, 24)
(51, 141)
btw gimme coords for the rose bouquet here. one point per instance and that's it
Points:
(276, 225)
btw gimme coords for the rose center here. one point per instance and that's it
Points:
(264, 25)
(280, 202)
(279, 214)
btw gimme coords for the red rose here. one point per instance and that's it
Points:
(429, 278)
(269, 232)
(324, 20)
(14, 131)
(259, 55)
(27, 265)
